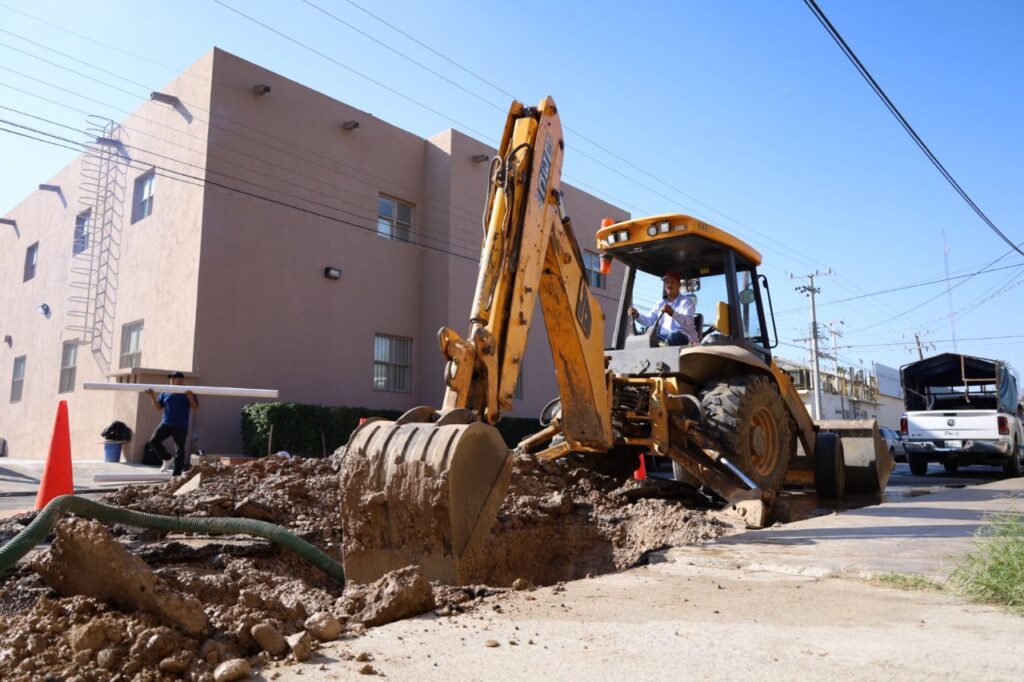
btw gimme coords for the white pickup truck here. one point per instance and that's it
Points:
(961, 410)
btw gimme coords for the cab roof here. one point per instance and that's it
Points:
(674, 241)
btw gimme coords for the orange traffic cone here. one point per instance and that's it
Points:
(641, 473)
(57, 478)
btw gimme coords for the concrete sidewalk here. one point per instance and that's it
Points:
(922, 534)
(19, 480)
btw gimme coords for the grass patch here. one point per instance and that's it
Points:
(994, 572)
(906, 581)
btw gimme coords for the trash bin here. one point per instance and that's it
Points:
(112, 450)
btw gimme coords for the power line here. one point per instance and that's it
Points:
(813, 6)
(197, 181)
(908, 286)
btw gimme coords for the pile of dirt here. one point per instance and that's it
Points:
(263, 607)
(562, 522)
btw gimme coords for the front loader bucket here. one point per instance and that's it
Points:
(868, 462)
(419, 493)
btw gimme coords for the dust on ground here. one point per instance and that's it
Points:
(262, 607)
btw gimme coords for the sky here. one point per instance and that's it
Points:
(745, 114)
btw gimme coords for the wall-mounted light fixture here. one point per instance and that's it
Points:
(332, 273)
(44, 310)
(349, 125)
(9, 340)
(480, 158)
(261, 88)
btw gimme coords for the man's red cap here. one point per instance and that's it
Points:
(678, 277)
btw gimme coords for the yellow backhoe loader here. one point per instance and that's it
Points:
(425, 488)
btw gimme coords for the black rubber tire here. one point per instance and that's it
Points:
(951, 465)
(1012, 468)
(747, 416)
(918, 463)
(829, 466)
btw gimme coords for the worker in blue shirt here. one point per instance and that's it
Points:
(176, 409)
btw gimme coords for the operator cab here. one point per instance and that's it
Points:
(716, 267)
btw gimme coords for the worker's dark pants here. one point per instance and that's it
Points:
(675, 339)
(162, 433)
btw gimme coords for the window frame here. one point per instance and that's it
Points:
(396, 374)
(592, 264)
(18, 380)
(129, 358)
(31, 262)
(83, 232)
(68, 371)
(142, 206)
(389, 224)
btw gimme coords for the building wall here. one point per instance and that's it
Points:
(228, 275)
(151, 275)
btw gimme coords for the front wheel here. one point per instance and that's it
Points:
(829, 466)
(747, 416)
(918, 463)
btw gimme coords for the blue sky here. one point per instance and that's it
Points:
(743, 113)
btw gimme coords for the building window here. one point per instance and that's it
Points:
(83, 227)
(18, 378)
(394, 218)
(392, 363)
(31, 257)
(142, 200)
(592, 262)
(68, 363)
(131, 344)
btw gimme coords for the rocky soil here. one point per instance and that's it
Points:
(117, 602)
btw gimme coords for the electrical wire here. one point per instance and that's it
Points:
(820, 15)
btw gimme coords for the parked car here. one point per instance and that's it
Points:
(894, 439)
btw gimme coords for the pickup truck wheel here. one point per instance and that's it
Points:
(951, 465)
(1012, 468)
(918, 463)
(746, 415)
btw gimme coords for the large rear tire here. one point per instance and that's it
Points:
(1012, 468)
(829, 466)
(747, 416)
(918, 463)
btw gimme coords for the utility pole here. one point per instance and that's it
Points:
(810, 290)
(833, 330)
(920, 353)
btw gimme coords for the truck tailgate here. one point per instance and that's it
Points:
(954, 425)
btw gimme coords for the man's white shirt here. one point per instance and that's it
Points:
(681, 320)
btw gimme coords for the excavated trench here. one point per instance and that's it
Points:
(104, 601)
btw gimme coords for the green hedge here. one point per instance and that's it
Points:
(309, 430)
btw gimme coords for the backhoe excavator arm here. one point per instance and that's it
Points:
(529, 249)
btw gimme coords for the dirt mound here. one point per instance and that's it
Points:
(557, 522)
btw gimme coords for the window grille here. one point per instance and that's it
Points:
(394, 218)
(142, 199)
(392, 363)
(83, 227)
(18, 378)
(68, 365)
(131, 344)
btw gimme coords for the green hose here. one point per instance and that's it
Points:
(47, 520)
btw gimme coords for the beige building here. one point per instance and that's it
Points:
(250, 232)
(850, 393)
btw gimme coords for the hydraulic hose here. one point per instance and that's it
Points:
(47, 520)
